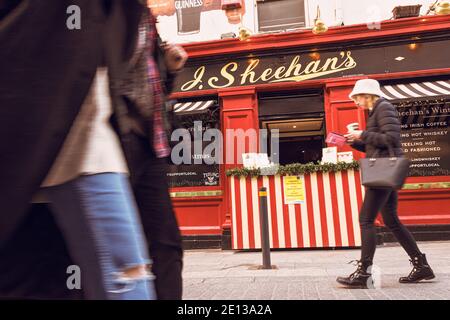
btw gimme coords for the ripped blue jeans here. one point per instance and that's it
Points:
(99, 219)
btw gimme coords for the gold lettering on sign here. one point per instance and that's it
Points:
(312, 67)
(330, 63)
(249, 72)
(330, 66)
(225, 74)
(265, 76)
(294, 67)
(198, 75)
(279, 72)
(296, 71)
(350, 62)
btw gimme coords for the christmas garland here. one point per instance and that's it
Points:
(296, 169)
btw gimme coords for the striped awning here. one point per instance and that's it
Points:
(193, 106)
(416, 90)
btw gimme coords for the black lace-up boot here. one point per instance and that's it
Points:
(421, 270)
(361, 278)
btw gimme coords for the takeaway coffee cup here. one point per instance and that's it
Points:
(352, 126)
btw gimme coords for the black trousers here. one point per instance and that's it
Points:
(386, 201)
(149, 182)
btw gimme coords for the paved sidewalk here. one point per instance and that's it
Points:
(216, 274)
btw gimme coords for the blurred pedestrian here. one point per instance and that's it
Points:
(57, 92)
(145, 136)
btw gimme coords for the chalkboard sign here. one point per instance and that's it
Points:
(425, 136)
(194, 175)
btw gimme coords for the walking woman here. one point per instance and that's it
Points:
(382, 131)
(57, 93)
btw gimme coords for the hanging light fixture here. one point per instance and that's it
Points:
(413, 46)
(314, 55)
(319, 25)
(440, 7)
(244, 33)
(443, 7)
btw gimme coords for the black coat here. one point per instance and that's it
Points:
(44, 87)
(382, 131)
(46, 71)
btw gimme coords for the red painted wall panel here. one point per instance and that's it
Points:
(199, 216)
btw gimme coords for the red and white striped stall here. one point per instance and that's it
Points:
(327, 218)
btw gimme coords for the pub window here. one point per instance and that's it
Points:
(423, 108)
(188, 115)
(300, 119)
(281, 15)
(425, 135)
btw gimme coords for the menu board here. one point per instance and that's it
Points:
(196, 173)
(425, 136)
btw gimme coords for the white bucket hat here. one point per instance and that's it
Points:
(366, 86)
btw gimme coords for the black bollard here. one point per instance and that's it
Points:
(265, 243)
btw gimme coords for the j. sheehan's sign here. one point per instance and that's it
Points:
(280, 67)
(254, 71)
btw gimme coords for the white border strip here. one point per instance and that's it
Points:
(329, 209)
(293, 226)
(280, 213)
(354, 206)
(244, 213)
(256, 222)
(305, 220)
(341, 209)
(316, 210)
(233, 212)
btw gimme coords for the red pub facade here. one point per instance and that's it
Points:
(298, 78)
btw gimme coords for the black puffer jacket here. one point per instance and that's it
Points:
(382, 131)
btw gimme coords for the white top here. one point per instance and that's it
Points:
(91, 146)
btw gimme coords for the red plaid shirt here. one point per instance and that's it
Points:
(160, 140)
